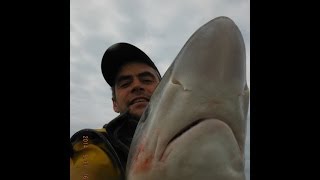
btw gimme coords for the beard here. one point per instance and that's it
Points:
(134, 116)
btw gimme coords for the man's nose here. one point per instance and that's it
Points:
(137, 86)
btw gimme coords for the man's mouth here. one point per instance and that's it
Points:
(138, 100)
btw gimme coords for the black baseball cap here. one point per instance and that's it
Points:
(120, 54)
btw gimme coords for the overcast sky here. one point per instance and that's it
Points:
(159, 27)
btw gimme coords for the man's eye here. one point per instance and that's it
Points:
(147, 81)
(124, 84)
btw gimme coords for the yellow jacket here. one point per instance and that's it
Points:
(93, 157)
(98, 154)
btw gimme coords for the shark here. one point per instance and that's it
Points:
(195, 124)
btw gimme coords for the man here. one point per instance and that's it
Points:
(102, 153)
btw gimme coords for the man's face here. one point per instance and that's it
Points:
(134, 85)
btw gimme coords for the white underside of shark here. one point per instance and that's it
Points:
(195, 124)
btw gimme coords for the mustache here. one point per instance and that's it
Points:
(139, 95)
(145, 97)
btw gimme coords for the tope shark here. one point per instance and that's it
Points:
(195, 124)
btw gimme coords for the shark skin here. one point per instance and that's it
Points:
(195, 124)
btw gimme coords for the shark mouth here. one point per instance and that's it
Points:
(185, 129)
